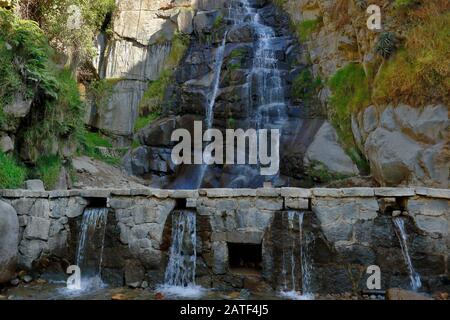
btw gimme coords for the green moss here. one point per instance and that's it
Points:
(144, 121)
(305, 28)
(305, 87)
(350, 93)
(90, 142)
(180, 43)
(12, 175)
(151, 104)
(318, 172)
(96, 139)
(218, 23)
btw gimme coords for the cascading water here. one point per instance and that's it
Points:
(194, 179)
(267, 104)
(179, 278)
(212, 100)
(90, 248)
(399, 223)
(297, 250)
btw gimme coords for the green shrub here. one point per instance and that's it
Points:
(53, 17)
(55, 121)
(25, 65)
(12, 175)
(48, 169)
(386, 44)
(28, 70)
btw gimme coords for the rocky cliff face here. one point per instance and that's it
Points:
(403, 144)
(241, 64)
(135, 55)
(396, 148)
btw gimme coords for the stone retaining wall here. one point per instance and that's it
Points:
(351, 227)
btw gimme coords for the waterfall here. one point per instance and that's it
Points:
(403, 238)
(306, 263)
(179, 279)
(89, 252)
(298, 249)
(194, 178)
(211, 100)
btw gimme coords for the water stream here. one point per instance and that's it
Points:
(179, 279)
(89, 252)
(399, 223)
(297, 250)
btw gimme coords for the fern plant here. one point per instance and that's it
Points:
(386, 45)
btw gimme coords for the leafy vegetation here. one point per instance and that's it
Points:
(305, 87)
(48, 169)
(67, 33)
(386, 45)
(54, 121)
(318, 172)
(350, 93)
(12, 174)
(305, 28)
(25, 66)
(90, 144)
(57, 110)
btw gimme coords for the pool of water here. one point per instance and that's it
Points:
(58, 291)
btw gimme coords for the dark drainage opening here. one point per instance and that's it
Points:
(97, 202)
(245, 257)
(180, 204)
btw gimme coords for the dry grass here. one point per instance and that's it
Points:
(420, 72)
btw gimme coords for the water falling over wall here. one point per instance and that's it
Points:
(399, 223)
(180, 270)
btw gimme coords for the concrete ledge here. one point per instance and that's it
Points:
(394, 192)
(433, 193)
(291, 193)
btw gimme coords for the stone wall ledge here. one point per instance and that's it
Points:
(231, 193)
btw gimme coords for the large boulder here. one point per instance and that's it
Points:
(405, 145)
(393, 156)
(6, 144)
(184, 20)
(9, 241)
(326, 150)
